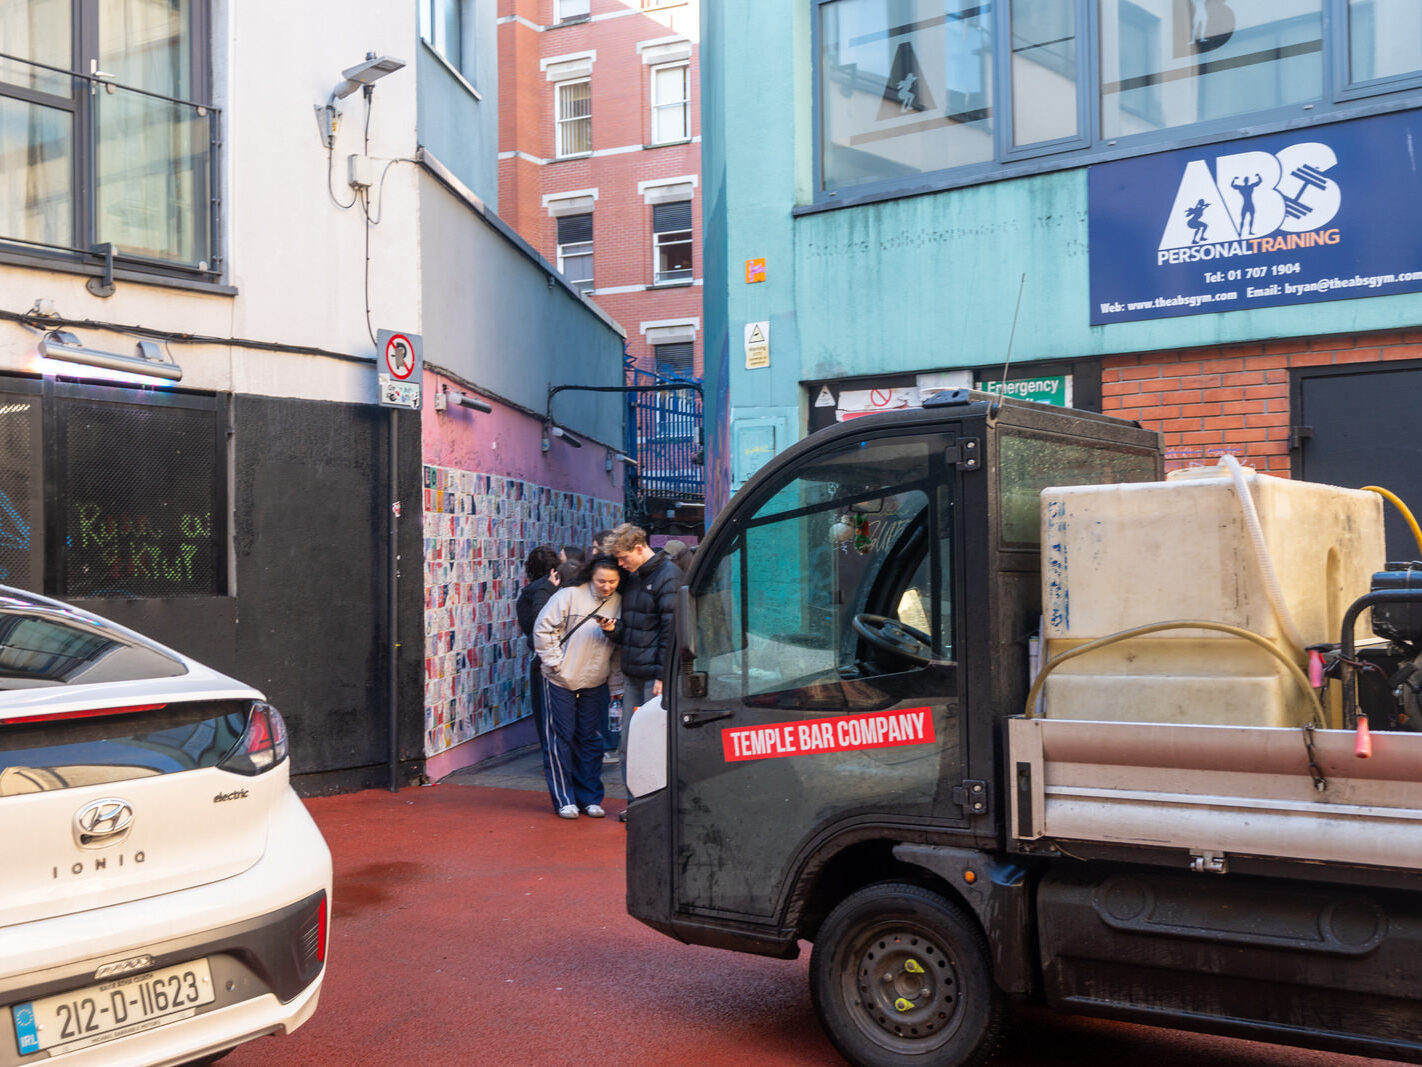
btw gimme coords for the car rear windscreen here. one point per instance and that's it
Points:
(44, 648)
(39, 757)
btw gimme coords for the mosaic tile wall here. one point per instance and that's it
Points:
(478, 530)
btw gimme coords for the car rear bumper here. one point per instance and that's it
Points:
(258, 930)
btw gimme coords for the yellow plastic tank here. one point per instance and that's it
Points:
(1121, 556)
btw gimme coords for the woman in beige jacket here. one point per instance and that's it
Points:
(572, 637)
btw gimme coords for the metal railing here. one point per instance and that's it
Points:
(664, 436)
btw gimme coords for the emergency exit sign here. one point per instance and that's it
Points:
(1050, 390)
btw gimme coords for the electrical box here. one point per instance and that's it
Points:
(360, 171)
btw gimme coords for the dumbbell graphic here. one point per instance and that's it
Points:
(1309, 178)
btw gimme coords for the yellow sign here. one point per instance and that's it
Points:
(757, 345)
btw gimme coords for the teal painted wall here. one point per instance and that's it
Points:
(918, 283)
(459, 127)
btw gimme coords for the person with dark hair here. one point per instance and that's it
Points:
(649, 598)
(602, 543)
(574, 554)
(573, 639)
(541, 569)
(568, 572)
(680, 553)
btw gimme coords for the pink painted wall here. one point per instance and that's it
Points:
(508, 443)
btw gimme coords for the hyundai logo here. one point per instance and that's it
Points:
(104, 822)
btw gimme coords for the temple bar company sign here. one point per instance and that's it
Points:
(1325, 213)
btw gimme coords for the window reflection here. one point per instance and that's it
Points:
(1167, 63)
(905, 88)
(1384, 39)
(1044, 96)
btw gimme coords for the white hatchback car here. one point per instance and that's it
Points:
(164, 895)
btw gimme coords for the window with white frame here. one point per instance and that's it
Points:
(671, 242)
(447, 26)
(574, 118)
(575, 250)
(671, 103)
(130, 169)
(564, 10)
(965, 91)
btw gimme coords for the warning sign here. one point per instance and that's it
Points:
(400, 369)
(846, 733)
(757, 345)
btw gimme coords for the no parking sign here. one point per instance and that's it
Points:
(401, 368)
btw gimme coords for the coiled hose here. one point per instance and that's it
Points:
(1406, 514)
(1180, 624)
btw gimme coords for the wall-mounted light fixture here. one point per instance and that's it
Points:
(445, 397)
(619, 457)
(361, 76)
(549, 430)
(148, 360)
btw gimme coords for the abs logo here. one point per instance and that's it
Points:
(1252, 202)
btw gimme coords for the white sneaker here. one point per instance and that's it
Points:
(594, 811)
(610, 757)
(568, 811)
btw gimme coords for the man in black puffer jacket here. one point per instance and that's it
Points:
(648, 601)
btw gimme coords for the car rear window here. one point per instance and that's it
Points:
(39, 757)
(44, 647)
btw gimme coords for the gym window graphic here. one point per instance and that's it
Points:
(1292, 218)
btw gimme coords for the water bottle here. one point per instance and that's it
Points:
(614, 715)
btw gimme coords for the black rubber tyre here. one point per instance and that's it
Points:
(900, 975)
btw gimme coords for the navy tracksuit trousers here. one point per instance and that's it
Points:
(572, 749)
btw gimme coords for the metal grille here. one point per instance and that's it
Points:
(21, 525)
(142, 514)
(665, 439)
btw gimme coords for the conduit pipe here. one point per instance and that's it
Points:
(1266, 563)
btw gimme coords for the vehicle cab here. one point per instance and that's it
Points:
(854, 624)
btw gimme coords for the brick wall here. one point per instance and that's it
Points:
(621, 128)
(1234, 398)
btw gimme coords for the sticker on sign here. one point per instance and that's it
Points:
(399, 394)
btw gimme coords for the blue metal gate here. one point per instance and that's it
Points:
(666, 490)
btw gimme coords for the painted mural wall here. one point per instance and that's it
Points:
(490, 494)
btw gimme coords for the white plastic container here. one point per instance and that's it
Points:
(1121, 556)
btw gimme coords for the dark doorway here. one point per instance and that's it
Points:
(1357, 426)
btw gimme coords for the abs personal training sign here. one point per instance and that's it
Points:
(844, 733)
(1320, 214)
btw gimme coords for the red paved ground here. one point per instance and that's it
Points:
(471, 926)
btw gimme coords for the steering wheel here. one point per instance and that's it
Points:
(898, 638)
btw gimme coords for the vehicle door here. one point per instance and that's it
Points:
(809, 708)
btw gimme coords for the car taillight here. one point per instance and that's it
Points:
(262, 744)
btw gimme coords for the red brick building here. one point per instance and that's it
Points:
(600, 159)
(1243, 399)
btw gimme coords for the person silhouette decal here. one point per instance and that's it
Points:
(1194, 219)
(1245, 188)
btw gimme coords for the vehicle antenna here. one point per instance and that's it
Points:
(1007, 362)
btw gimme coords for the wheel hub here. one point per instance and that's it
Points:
(907, 986)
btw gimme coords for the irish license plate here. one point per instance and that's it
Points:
(113, 1009)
